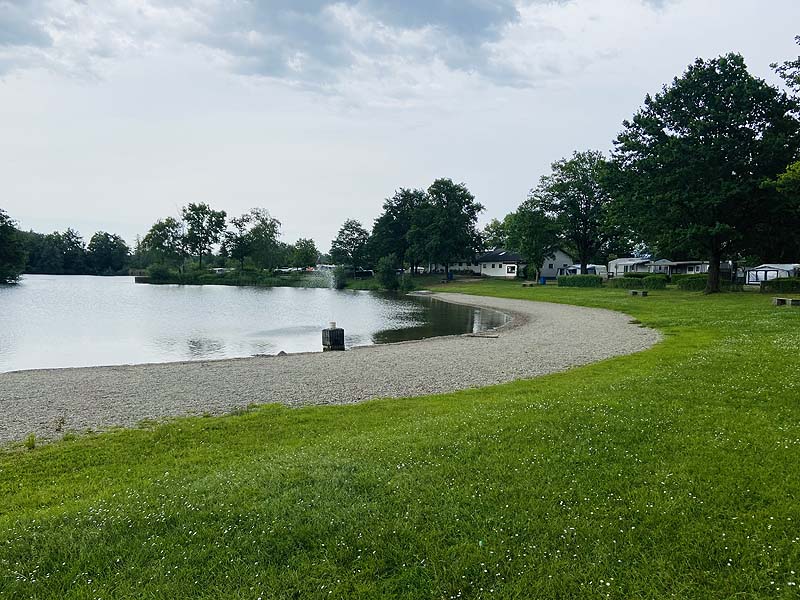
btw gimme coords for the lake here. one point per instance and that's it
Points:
(50, 321)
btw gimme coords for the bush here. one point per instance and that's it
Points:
(681, 277)
(781, 285)
(339, 277)
(627, 283)
(159, 273)
(406, 283)
(637, 275)
(580, 281)
(387, 272)
(655, 282)
(691, 283)
(698, 282)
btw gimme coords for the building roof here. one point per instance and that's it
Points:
(501, 255)
(629, 261)
(777, 267)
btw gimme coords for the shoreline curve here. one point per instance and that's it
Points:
(540, 338)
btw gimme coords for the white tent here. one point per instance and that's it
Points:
(772, 271)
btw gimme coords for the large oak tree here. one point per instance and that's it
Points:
(690, 166)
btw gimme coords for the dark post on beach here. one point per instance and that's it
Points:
(332, 338)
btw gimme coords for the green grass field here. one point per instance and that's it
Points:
(670, 473)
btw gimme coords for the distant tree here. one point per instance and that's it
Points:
(237, 243)
(165, 242)
(495, 234)
(266, 249)
(689, 167)
(204, 228)
(390, 230)
(386, 271)
(444, 229)
(304, 253)
(790, 71)
(573, 195)
(107, 253)
(349, 246)
(73, 251)
(12, 250)
(532, 233)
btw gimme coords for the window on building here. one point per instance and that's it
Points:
(511, 269)
(493, 265)
(550, 266)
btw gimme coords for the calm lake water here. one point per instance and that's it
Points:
(74, 321)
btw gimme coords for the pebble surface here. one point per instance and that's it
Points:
(541, 338)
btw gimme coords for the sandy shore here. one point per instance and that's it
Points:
(542, 338)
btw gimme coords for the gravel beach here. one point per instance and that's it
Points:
(541, 338)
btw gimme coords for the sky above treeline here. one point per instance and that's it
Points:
(116, 113)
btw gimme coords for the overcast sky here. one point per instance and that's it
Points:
(115, 113)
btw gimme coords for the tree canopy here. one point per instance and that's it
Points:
(349, 246)
(204, 228)
(12, 250)
(689, 167)
(574, 196)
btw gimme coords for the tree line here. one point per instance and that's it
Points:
(706, 167)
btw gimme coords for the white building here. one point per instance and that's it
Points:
(501, 263)
(767, 272)
(619, 267)
(558, 260)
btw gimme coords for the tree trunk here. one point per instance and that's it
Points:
(584, 266)
(712, 286)
(201, 259)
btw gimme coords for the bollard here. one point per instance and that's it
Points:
(332, 338)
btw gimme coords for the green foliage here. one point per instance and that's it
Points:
(691, 283)
(689, 168)
(265, 247)
(304, 253)
(789, 71)
(444, 228)
(495, 234)
(340, 277)
(627, 283)
(387, 272)
(12, 250)
(781, 285)
(532, 233)
(205, 227)
(390, 230)
(164, 243)
(160, 273)
(30, 441)
(575, 196)
(407, 283)
(349, 246)
(637, 275)
(587, 281)
(107, 254)
(655, 282)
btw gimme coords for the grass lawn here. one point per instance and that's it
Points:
(671, 473)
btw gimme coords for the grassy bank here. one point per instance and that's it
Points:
(671, 473)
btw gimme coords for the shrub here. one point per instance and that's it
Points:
(387, 272)
(406, 283)
(782, 284)
(637, 275)
(339, 277)
(655, 282)
(30, 441)
(698, 282)
(691, 283)
(159, 273)
(627, 283)
(580, 281)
